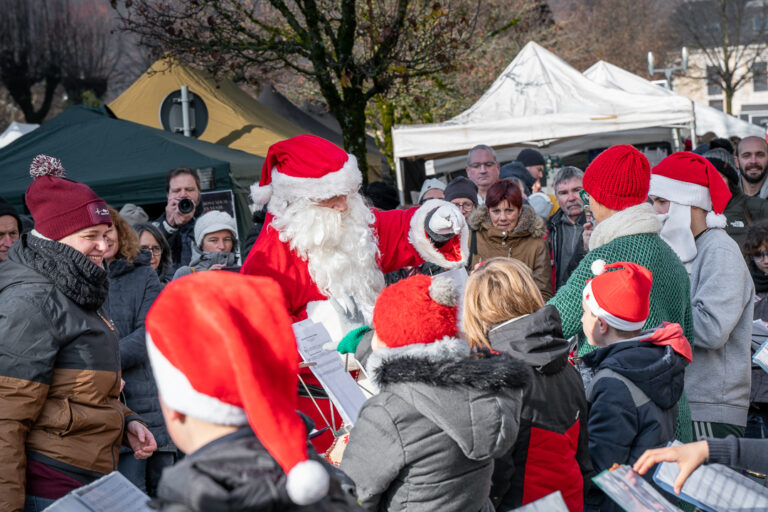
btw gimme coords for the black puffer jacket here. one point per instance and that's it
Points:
(133, 287)
(234, 473)
(551, 452)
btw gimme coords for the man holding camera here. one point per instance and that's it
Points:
(177, 224)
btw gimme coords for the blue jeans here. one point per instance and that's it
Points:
(36, 504)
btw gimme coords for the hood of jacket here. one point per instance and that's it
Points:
(517, 170)
(202, 260)
(122, 266)
(231, 473)
(469, 397)
(528, 224)
(535, 339)
(654, 361)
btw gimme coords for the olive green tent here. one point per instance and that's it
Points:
(124, 162)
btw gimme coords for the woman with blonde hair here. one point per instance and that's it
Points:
(133, 287)
(505, 312)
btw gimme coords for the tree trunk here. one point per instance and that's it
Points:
(728, 93)
(352, 120)
(387, 114)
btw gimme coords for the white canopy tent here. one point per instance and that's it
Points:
(14, 131)
(708, 119)
(542, 101)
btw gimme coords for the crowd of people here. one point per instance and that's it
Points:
(601, 319)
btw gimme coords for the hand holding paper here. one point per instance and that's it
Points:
(688, 457)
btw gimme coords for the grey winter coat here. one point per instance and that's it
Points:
(427, 441)
(133, 287)
(236, 473)
(204, 260)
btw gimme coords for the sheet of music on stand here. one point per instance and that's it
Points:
(631, 491)
(714, 487)
(329, 369)
(112, 492)
(551, 503)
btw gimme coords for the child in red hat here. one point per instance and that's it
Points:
(635, 379)
(225, 361)
(427, 440)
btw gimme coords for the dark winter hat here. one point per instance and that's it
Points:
(723, 162)
(61, 206)
(619, 177)
(461, 187)
(7, 208)
(530, 157)
(382, 195)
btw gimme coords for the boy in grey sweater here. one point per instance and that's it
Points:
(689, 195)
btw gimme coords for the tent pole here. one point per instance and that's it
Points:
(400, 180)
(693, 125)
(185, 110)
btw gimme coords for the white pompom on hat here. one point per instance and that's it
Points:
(223, 351)
(306, 166)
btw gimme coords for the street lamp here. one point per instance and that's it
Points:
(668, 70)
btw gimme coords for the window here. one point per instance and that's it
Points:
(759, 77)
(718, 104)
(713, 81)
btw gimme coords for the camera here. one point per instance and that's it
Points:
(186, 205)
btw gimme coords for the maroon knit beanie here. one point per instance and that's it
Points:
(60, 206)
(618, 178)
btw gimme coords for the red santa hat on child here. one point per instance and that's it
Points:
(222, 350)
(621, 298)
(306, 166)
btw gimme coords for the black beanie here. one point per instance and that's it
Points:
(530, 157)
(7, 208)
(726, 169)
(461, 187)
(382, 195)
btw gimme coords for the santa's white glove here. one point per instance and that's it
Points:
(447, 220)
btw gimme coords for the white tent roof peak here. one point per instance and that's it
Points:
(708, 119)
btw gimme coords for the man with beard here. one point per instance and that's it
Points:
(567, 224)
(327, 249)
(753, 161)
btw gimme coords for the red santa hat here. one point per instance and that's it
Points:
(306, 166)
(223, 351)
(691, 180)
(417, 310)
(621, 298)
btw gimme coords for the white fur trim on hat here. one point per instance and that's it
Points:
(307, 482)
(716, 221)
(612, 320)
(286, 189)
(178, 394)
(681, 192)
(423, 245)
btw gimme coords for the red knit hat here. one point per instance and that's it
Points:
(419, 309)
(60, 206)
(618, 178)
(306, 166)
(623, 297)
(222, 350)
(690, 179)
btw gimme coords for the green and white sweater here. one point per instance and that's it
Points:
(633, 235)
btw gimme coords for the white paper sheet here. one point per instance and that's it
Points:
(329, 369)
(112, 492)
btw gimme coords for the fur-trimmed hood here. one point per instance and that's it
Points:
(474, 398)
(630, 221)
(529, 224)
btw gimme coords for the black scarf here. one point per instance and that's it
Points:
(69, 270)
(759, 277)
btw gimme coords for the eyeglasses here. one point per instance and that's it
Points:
(757, 258)
(155, 249)
(477, 165)
(584, 196)
(466, 206)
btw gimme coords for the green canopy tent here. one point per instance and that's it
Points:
(125, 162)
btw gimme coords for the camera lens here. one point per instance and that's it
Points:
(186, 205)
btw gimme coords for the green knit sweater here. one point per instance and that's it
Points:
(670, 295)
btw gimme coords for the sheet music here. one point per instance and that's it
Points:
(631, 491)
(714, 487)
(551, 503)
(112, 492)
(329, 369)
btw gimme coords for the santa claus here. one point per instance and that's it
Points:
(327, 249)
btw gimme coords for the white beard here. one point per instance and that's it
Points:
(340, 248)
